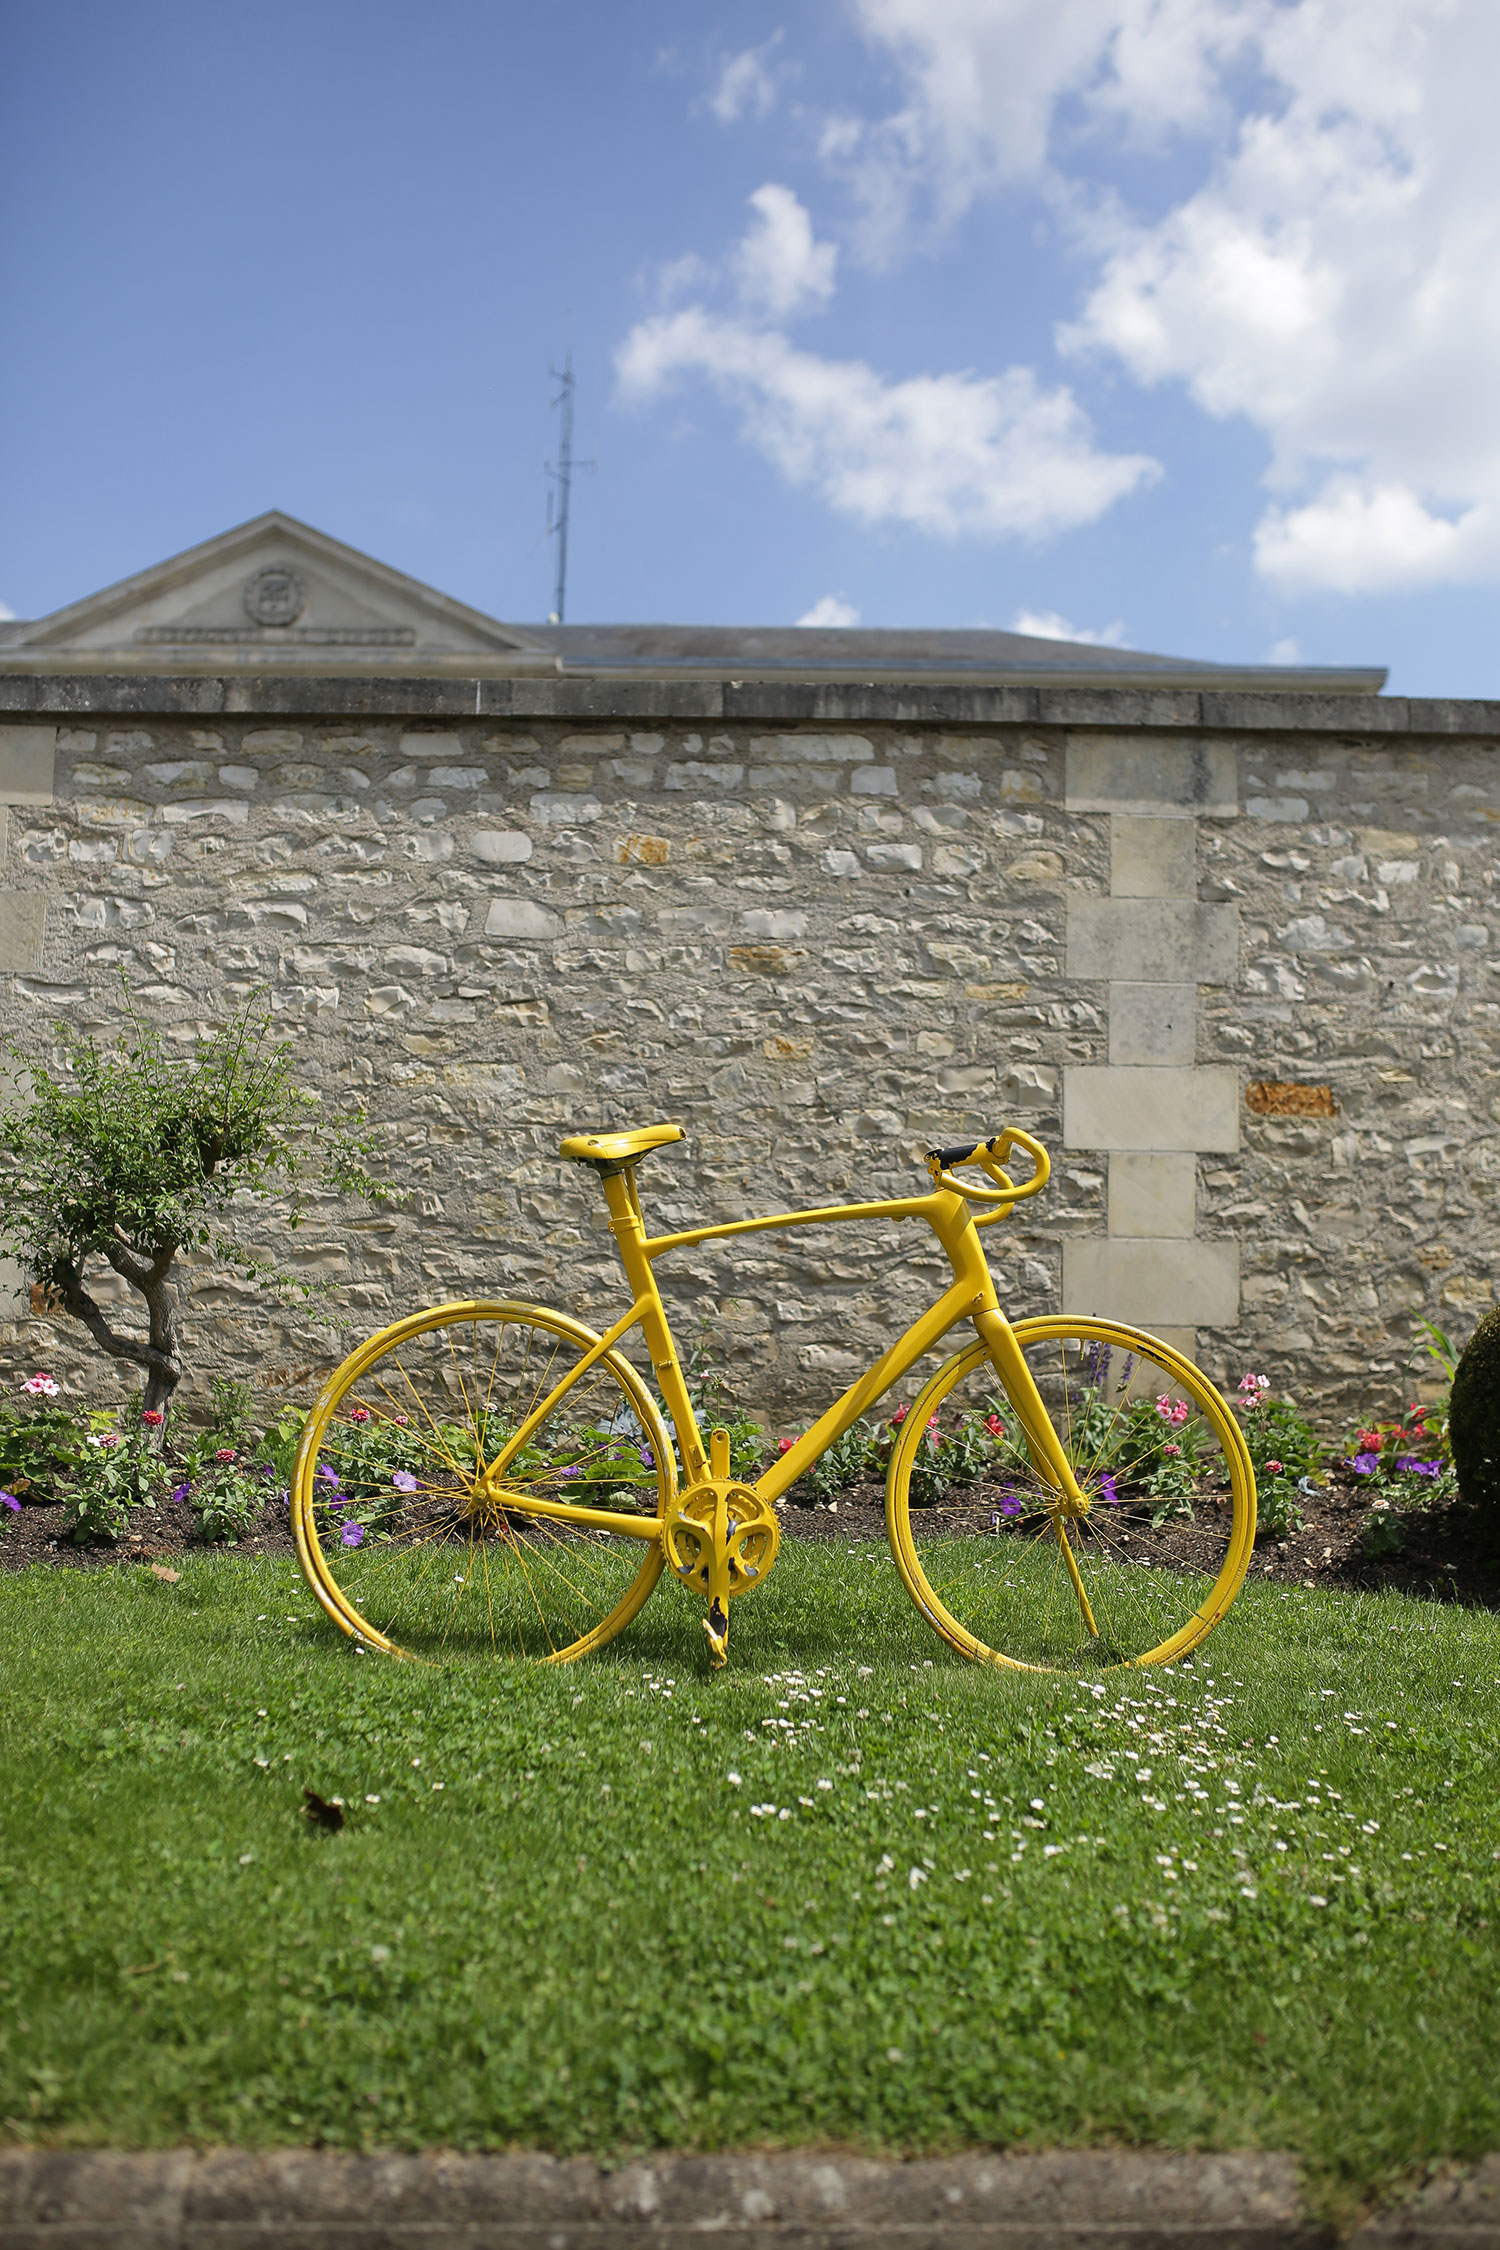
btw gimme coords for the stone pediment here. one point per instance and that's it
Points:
(275, 595)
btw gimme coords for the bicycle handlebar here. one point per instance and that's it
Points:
(990, 1156)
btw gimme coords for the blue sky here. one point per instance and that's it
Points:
(1175, 321)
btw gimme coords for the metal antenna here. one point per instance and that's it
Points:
(562, 478)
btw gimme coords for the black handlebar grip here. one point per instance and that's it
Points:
(965, 1153)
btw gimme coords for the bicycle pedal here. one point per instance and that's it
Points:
(716, 1626)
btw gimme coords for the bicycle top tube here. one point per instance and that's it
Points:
(614, 1153)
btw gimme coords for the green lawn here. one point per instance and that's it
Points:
(1251, 1902)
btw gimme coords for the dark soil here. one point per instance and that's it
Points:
(1444, 1554)
(159, 1535)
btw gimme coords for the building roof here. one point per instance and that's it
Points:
(274, 596)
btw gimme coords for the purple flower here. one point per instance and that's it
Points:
(1364, 1464)
(404, 1481)
(332, 1475)
(1107, 1490)
(9, 1500)
(178, 1494)
(1009, 1504)
(648, 1458)
(574, 1471)
(352, 1534)
(1416, 1468)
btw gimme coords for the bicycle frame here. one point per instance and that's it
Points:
(971, 1293)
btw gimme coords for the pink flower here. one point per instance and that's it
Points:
(359, 1414)
(1274, 1468)
(111, 1438)
(1172, 1410)
(225, 1453)
(153, 1417)
(1170, 1448)
(40, 1386)
(899, 1417)
(400, 1421)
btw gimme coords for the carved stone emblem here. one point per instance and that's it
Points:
(275, 596)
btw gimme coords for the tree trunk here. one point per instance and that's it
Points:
(160, 1356)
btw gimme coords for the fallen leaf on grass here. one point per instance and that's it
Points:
(322, 1812)
(145, 1967)
(160, 1570)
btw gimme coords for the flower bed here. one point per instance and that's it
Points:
(1378, 1508)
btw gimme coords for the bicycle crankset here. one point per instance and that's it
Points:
(721, 1539)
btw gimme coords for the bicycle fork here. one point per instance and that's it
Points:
(1048, 1456)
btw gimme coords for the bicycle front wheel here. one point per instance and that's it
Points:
(1004, 1570)
(413, 1548)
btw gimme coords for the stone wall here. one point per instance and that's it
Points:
(1237, 967)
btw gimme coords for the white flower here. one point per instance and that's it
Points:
(733, 1779)
(916, 1877)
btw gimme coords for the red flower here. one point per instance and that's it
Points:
(899, 1417)
(785, 1445)
(225, 1453)
(152, 1416)
(1274, 1468)
(994, 1425)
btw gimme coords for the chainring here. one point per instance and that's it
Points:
(721, 1538)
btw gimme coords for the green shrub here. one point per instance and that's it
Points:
(41, 1445)
(127, 1157)
(1474, 1422)
(117, 1470)
(856, 1458)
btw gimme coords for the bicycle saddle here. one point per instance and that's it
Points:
(617, 1149)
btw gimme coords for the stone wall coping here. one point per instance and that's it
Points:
(103, 695)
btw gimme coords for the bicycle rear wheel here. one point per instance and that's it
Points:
(411, 1549)
(1162, 1547)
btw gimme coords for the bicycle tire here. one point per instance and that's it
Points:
(387, 1495)
(1170, 1522)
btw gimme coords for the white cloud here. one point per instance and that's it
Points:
(983, 81)
(1048, 625)
(779, 268)
(952, 455)
(830, 609)
(1284, 652)
(6, 613)
(745, 86)
(1334, 276)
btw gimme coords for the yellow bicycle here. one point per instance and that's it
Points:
(498, 1477)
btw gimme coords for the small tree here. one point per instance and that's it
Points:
(134, 1155)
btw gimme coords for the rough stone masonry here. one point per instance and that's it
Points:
(1231, 956)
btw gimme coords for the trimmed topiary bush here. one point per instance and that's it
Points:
(1474, 1421)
